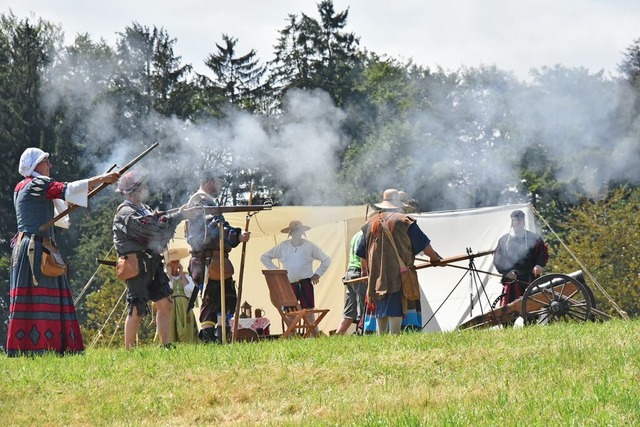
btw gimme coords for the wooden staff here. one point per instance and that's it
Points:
(241, 274)
(223, 283)
(72, 207)
(440, 263)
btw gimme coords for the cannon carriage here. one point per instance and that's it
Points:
(548, 299)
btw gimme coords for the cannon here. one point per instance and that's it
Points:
(548, 299)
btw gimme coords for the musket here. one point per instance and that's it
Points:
(443, 262)
(72, 207)
(213, 210)
(454, 259)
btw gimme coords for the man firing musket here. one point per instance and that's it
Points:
(210, 249)
(140, 236)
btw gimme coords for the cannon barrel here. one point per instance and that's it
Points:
(577, 275)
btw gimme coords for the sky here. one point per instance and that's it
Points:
(514, 35)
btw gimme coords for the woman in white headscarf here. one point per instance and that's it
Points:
(42, 315)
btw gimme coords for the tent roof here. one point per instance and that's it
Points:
(270, 222)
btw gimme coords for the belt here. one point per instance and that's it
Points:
(354, 270)
(299, 282)
(36, 237)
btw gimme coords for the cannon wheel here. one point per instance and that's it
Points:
(556, 297)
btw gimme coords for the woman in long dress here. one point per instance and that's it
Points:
(42, 316)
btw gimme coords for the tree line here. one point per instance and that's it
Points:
(324, 121)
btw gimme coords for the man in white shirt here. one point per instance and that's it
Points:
(296, 256)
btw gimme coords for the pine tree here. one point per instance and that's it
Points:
(237, 78)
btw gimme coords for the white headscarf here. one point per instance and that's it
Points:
(30, 159)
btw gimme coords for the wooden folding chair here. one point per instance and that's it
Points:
(298, 321)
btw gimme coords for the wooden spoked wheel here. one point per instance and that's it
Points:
(556, 297)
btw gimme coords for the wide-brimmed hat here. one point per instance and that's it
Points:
(130, 182)
(390, 200)
(295, 225)
(30, 159)
(176, 254)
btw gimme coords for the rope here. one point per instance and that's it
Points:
(91, 279)
(99, 333)
(584, 268)
(115, 331)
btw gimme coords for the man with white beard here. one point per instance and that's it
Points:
(520, 257)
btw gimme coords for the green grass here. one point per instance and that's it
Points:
(565, 374)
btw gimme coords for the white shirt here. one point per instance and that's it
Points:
(297, 260)
(76, 192)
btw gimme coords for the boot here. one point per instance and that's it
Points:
(207, 335)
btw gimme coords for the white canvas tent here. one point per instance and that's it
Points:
(451, 291)
(332, 228)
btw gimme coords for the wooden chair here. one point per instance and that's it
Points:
(297, 321)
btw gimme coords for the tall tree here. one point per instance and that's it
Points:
(630, 65)
(237, 78)
(26, 49)
(150, 74)
(312, 54)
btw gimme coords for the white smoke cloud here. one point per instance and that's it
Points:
(466, 146)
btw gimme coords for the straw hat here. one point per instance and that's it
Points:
(295, 225)
(390, 200)
(176, 254)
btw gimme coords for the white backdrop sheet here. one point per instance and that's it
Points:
(455, 294)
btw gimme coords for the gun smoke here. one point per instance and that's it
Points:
(466, 145)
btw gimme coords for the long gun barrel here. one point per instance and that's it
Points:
(442, 263)
(44, 227)
(213, 210)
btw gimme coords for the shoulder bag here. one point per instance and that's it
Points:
(409, 275)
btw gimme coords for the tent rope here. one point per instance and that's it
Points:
(91, 279)
(584, 268)
(99, 333)
(115, 331)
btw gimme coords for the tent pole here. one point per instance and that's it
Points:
(223, 283)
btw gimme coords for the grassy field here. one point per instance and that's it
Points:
(565, 374)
